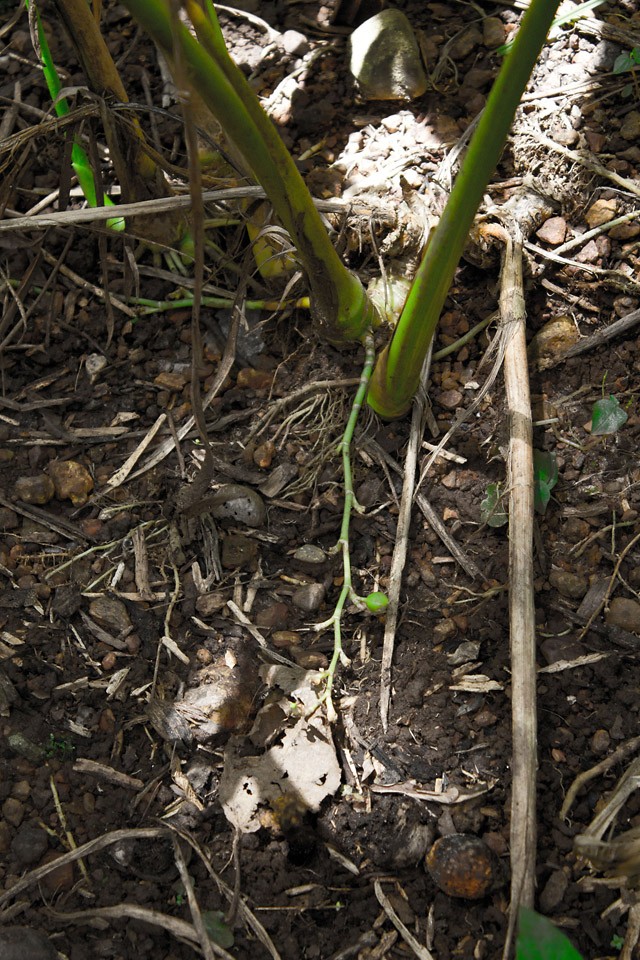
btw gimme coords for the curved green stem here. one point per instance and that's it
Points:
(397, 373)
(339, 302)
(335, 619)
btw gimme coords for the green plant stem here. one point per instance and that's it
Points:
(335, 620)
(397, 373)
(339, 303)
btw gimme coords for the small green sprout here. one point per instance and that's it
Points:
(58, 748)
(617, 942)
(627, 61)
(545, 477)
(607, 417)
(217, 930)
(539, 939)
(376, 601)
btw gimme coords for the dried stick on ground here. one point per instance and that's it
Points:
(521, 606)
(402, 538)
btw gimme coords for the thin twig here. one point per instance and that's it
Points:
(194, 907)
(421, 952)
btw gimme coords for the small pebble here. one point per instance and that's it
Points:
(94, 365)
(309, 659)
(13, 811)
(553, 231)
(568, 584)
(449, 399)
(624, 612)
(285, 638)
(72, 481)
(294, 43)
(600, 741)
(60, 878)
(443, 630)
(38, 490)
(630, 129)
(385, 59)
(467, 651)
(110, 613)
(254, 379)
(553, 892)
(275, 615)
(601, 212)
(29, 844)
(309, 598)
(233, 501)
(309, 553)
(210, 603)
(493, 32)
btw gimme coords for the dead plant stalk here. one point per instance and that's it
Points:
(521, 604)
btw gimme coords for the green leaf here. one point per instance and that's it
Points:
(607, 417)
(491, 510)
(622, 63)
(545, 477)
(539, 939)
(376, 601)
(217, 930)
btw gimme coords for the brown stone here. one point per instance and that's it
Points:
(60, 878)
(624, 613)
(37, 490)
(553, 231)
(251, 379)
(72, 481)
(601, 212)
(174, 382)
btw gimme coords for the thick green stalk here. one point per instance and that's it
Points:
(397, 373)
(339, 303)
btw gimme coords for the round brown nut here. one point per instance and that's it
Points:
(463, 866)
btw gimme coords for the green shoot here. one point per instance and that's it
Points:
(79, 159)
(627, 61)
(607, 417)
(539, 939)
(545, 477)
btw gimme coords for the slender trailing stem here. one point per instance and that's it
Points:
(339, 303)
(397, 373)
(335, 620)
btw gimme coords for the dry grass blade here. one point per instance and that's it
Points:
(419, 951)
(177, 928)
(93, 846)
(205, 943)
